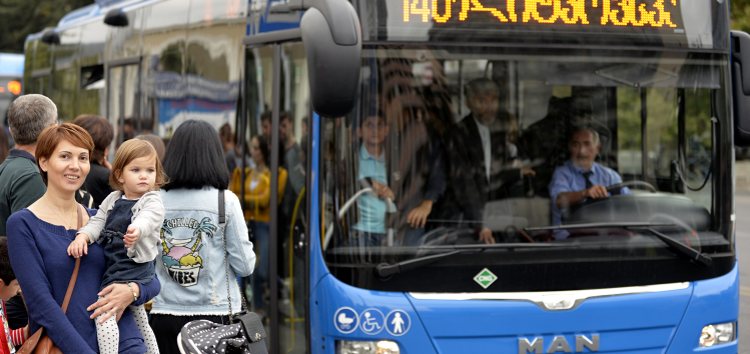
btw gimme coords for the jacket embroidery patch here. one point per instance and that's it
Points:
(180, 256)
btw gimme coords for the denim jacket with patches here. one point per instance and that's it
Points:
(192, 269)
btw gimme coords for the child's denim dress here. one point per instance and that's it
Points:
(120, 268)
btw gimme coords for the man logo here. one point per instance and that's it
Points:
(559, 345)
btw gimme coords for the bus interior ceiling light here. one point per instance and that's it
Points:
(117, 18)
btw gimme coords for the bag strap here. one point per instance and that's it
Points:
(222, 224)
(72, 284)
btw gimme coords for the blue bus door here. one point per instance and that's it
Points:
(272, 188)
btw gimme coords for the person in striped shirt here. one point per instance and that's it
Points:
(8, 288)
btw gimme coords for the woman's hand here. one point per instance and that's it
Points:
(117, 297)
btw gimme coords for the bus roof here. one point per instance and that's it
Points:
(86, 14)
(11, 64)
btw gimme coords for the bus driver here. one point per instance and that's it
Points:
(580, 178)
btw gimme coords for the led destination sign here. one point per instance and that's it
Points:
(631, 13)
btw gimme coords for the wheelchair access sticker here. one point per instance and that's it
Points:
(397, 322)
(371, 321)
(345, 320)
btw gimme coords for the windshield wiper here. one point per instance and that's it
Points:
(679, 248)
(385, 270)
(700, 258)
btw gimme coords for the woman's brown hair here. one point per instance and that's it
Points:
(129, 151)
(52, 136)
(101, 132)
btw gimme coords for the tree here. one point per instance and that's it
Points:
(740, 15)
(19, 18)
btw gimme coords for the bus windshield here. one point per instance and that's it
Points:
(537, 156)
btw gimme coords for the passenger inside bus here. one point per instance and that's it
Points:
(370, 229)
(580, 178)
(484, 158)
(416, 166)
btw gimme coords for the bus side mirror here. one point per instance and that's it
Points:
(50, 37)
(741, 87)
(333, 42)
(116, 18)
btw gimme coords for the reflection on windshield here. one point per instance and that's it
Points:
(492, 146)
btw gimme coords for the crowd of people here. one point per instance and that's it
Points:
(204, 207)
(158, 225)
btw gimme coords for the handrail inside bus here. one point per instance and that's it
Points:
(390, 207)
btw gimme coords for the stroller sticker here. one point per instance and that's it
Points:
(345, 320)
(397, 322)
(371, 321)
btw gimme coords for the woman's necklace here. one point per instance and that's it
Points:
(67, 226)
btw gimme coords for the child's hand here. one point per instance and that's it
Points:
(382, 190)
(385, 192)
(132, 236)
(79, 247)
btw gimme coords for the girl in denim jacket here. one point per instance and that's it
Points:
(198, 276)
(127, 225)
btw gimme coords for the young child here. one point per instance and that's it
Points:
(8, 289)
(127, 225)
(371, 230)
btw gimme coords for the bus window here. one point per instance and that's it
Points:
(454, 146)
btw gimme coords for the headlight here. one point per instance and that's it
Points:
(717, 334)
(356, 347)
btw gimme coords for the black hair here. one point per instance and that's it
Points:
(195, 158)
(267, 115)
(284, 115)
(373, 112)
(6, 272)
(265, 150)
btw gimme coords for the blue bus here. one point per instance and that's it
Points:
(11, 76)
(419, 149)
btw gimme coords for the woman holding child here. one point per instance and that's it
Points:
(38, 240)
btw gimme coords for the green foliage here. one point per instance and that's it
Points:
(19, 18)
(740, 14)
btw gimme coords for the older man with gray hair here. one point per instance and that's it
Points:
(20, 181)
(581, 178)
